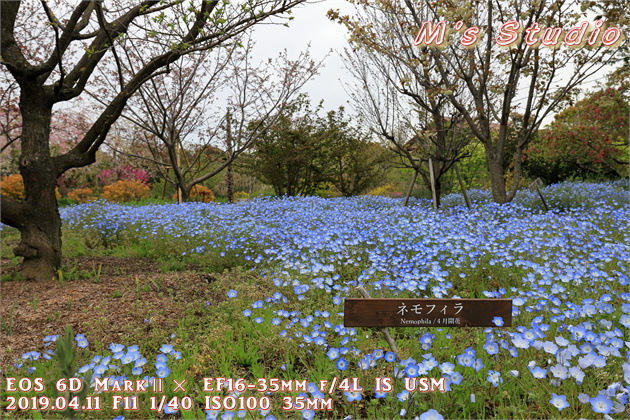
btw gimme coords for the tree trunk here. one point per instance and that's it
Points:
(185, 191)
(38, 219)
(40, 244)
(229, 181)
(497, 181)
(438, 192)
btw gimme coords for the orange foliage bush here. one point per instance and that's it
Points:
(13, 186)
(199, 193)
(82, 195)
(126, 190)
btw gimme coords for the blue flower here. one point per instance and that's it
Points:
(456, 378)
(601, 404)
(559, 401)
(447, 368)
(491, 347)
(538, 372)
(378, 394)
(169, 410)
(353, 396)
(212, 414)
(163, 372)
(403, 395)
(31, 355)
(247, 312)
(584, 398)
(466, 360)
(228, 415)
(411, 371)
(431, 415)
(127, 358)
(342, 364)
(494, 378)
(116, 348)
(308, 414)
(232, 293)
(332, 353)
(498, 321)
(49, 339)
(390, 357)
(166, 348)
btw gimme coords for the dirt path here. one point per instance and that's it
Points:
(109, 299)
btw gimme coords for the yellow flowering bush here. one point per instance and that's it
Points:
(387, 190)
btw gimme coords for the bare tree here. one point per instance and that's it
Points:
(53, 51)
(392, 95)
(487, 82)
(184, 112)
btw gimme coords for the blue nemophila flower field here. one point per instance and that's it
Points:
(567, 353)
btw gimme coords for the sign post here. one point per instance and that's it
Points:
(432, 179)
(384, 313)
(413, 182)
(534, 186)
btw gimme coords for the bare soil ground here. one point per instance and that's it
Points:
(105, 298)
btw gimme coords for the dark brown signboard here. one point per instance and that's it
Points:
(426, 312)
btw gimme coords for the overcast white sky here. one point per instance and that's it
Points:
(310, 25)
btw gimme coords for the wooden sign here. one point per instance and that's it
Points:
(534, 186)
(426, 312)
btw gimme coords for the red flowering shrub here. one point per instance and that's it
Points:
(109, 176)
(126, 190)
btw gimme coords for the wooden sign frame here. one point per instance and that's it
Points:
(535, 186)
(426, 312)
